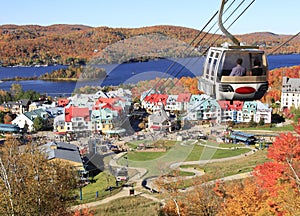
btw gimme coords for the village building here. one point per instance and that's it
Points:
(15, 107)
(159, 121)
(26, 120)
(154, 102)
(202, 107)
(183, 101)
(77, 120)
(290, 96)
(263, 111)
(171, 104)
(63, 152)
(231, 112)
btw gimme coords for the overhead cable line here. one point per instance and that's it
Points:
(190, 44)
(197, 44)
(232, 23)
(281, 45)
(203, 53)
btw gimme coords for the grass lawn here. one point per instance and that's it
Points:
(100, 183)
(237, 166)
(181, 173)
(195, 154)
(206, 153)
(230, 145)
(144, 156)
(229, 153)
(158, 162)
(227, 168)
(284, 128)
(137, 205)
(135, 143)
(160, 143)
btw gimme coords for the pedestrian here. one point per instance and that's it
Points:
(238, 70)
(256, 70)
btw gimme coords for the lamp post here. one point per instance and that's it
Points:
(80, 192)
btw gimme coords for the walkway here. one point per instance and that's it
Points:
(143, 171)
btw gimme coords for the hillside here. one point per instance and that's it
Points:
(79, 44)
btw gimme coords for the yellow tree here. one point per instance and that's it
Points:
(242, 198)
(32, 185)
(199, 200)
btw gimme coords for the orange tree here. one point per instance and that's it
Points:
(275, 188)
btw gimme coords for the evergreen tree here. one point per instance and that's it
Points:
(38, 123)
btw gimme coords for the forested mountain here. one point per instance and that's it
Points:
(78, 44)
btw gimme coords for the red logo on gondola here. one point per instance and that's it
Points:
(245, 90)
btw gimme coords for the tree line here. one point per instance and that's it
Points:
(77, 45)
(76, 73)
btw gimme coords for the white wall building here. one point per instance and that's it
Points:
(290, 96)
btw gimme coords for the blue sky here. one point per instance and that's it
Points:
(277, 16)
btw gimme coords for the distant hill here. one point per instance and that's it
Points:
(79, 44)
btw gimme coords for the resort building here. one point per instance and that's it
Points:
(290, 96)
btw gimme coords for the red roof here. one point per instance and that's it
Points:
(73, 112)
(155, 127)
(184, 97)
(62, 102)
(106, 100)
(236, 105)
(112, 107)
(155, 98)
(59, 133)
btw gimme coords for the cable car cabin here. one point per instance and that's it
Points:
(219, 62)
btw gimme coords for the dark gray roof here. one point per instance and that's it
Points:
(38, 112)
(23, 102)
(61, 150)
(290, 85)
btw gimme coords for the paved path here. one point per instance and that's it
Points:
(123, 193)
(142, 171)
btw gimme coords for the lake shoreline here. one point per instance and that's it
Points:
(129, 73)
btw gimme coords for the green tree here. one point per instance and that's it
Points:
(32, 185)
(296, 113)
(38, 123)
(2, 114)
(252, 123)
(261, 121)
(17, 91)
(31, 95)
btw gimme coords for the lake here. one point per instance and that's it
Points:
(123, 73)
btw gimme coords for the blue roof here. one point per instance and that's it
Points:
(9, 128)
(241, 135)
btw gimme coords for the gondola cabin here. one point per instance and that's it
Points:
(217, 82)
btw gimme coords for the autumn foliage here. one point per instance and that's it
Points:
(275, 188)
(76, 44)
(275, 81)
(168, 86)
(32, 185)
